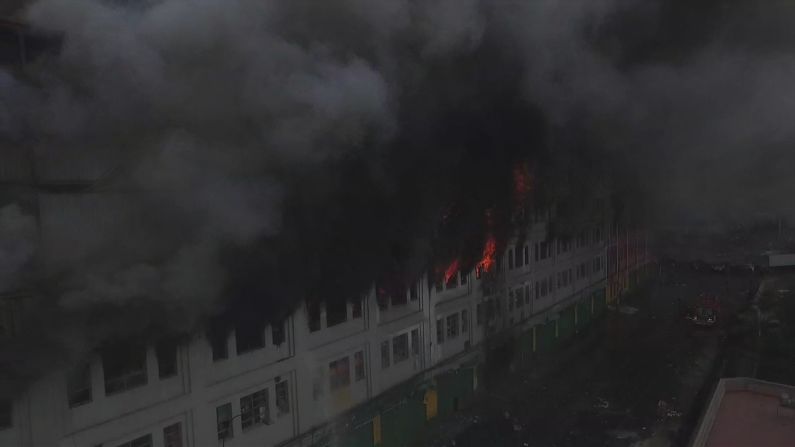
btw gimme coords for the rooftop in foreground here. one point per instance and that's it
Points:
(745, 412)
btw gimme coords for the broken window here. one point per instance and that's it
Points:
(452, 281)
(124, 366)
(339, 373)
(415, 342)
(172, 435)
(143, 441)
(219, 346)
(6, 414)
(414, 292)
(439, 331)
(166, 351)
(78, 385)
(255, 409)
(250, 336)
(278, 333)
(282, 398)
(463, 277)
(358, 366)
(313, 314)
(356, 311)
(385, 354)
(336, 312)
(464, 321)
(452, 326)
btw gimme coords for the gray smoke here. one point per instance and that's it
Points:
(300, 143)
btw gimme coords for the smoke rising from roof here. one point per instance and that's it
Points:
(246, 154)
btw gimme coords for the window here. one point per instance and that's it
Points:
(218, 344)
(463, 277)
(414, 292)
(519, 299)
(536, 252)
(439, 285)
(400, 348)
(78, 386)
(358, 366)
(538, 290)
(223, 421)
(278, 333)
(339, 373)
(415, 342)
(479, 314)
(439, 331)
(143, 441)
(336, 312)
(313, 313)
(317, 384)
(452, 281)
(282, 398)
(527, 294)
(464, 321)
(249, 336)
(510, 259)
(255, 409)
(172, 435)
(527, 254)
(166, 351)
(356, 305)
(6, 414)
(518, 255)
(452, 326)
(510, 299)
(399, 297)
(124, 367)
(385, 354)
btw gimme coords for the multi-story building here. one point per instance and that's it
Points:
(365, 371)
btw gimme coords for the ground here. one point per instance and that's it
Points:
(638, 377)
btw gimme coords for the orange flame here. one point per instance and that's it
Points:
(487, 260)
(451, 270)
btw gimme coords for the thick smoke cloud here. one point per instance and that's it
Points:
(232, 157)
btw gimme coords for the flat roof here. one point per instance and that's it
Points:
(747, 412)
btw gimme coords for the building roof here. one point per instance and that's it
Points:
(745, 412)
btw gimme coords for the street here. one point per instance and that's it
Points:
(633, 379)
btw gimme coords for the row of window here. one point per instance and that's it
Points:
(450, 327)
(336, 313)
(255, 410)
(248, 337)
(124, 368)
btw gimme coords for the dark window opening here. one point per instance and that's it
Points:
(78, 386)
(249, 336)
(527, 254)
(452, 281)
(400, 348)
(313, 313)
(358, 366)
(463, 277)
(143, 441)
(172, 435)
(278, 333)
(282, 398)
(219, 346)
(414, 292)
(439, 331)
(385, 354)
(415, 342)
(124, 366)
(510, 259)
(166, 351)
(357, 308)
(464, 321)
(339, 373)
(336, 312)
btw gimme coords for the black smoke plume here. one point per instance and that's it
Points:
(202, 161)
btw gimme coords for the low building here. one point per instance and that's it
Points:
(748, 412)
